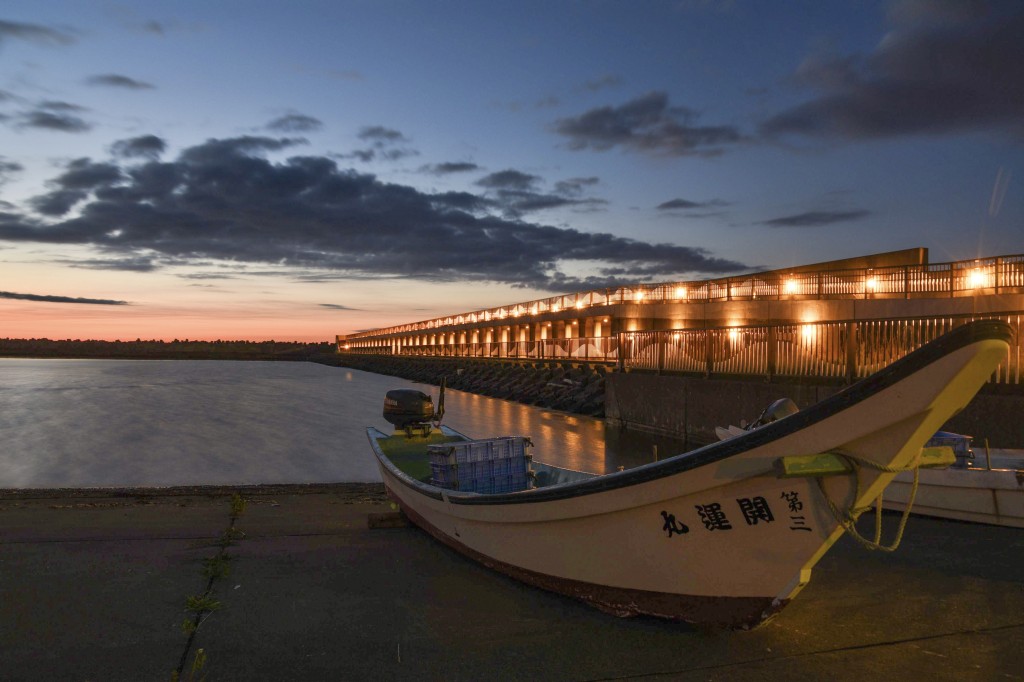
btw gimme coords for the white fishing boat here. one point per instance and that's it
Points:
(981, 490)
(725, 535)
(966, 490)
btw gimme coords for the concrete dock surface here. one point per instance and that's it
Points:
(93, 586)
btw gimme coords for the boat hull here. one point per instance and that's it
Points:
(731, 612)
(994, 497)
(716, 536)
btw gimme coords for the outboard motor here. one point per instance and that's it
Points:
(783, 407)
(410, 410)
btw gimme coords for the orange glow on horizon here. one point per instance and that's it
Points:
(61, 321)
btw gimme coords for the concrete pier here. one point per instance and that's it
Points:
(93, 586)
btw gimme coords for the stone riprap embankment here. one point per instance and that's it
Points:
(559, 386)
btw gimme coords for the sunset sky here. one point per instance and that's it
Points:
(296, 170)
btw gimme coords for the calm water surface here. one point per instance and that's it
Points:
(185, 422)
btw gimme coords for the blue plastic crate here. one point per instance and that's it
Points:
(484, 466)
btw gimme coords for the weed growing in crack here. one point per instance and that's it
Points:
(203, 605)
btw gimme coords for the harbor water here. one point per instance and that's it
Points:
(114, 423)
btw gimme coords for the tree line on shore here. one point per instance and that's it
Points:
(176, 349)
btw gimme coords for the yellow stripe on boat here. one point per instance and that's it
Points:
(938, 457)
(824, 464)
(829, 464)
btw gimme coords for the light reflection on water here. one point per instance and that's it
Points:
(566, 440)
(182, 422)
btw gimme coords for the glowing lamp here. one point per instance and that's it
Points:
(976, 279)
(579, 305)
(680, 292)
(790, 286)
(871, 284)
(639, 296)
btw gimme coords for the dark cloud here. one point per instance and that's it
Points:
(648, 125)
(816, 218)
(516, 203)
(118, 81)
(55, 105)
(919, 12)
(136, 264)
(8, 168)
(686, 204)
(74, 185)
(295, 123)
(516, 193)
(207, 275)
(84, 174)
(368, 155)
(381, 134)
(142, 147)
(59, 299)
(33, 33)
(156, 27)
(674, 204)
(450, 167)
(224, 201)
(383, 141)
(462, 201)
(944, 67)
(58, 202)
(509, 179)
(236, 147)
(335, 306)
(575, 186)
(51, 119)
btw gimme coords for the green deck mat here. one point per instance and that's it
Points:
(410, 454)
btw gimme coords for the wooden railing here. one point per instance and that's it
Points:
(994, 275)
(836, 351)
(844, 351)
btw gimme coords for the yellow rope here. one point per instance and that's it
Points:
(848, 518)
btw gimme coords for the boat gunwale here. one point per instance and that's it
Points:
(961, 337)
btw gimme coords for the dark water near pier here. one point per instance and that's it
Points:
(78, 423)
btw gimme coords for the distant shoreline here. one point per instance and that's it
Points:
(43, 349)
(373, 491)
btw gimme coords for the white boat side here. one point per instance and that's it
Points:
(992, 496)
(714, 536)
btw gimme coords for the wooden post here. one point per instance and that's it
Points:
(709, 361)
(660, 340)
(851, 352)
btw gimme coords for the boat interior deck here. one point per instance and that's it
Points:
(410, 453)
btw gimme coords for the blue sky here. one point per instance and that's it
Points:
(296, 170)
